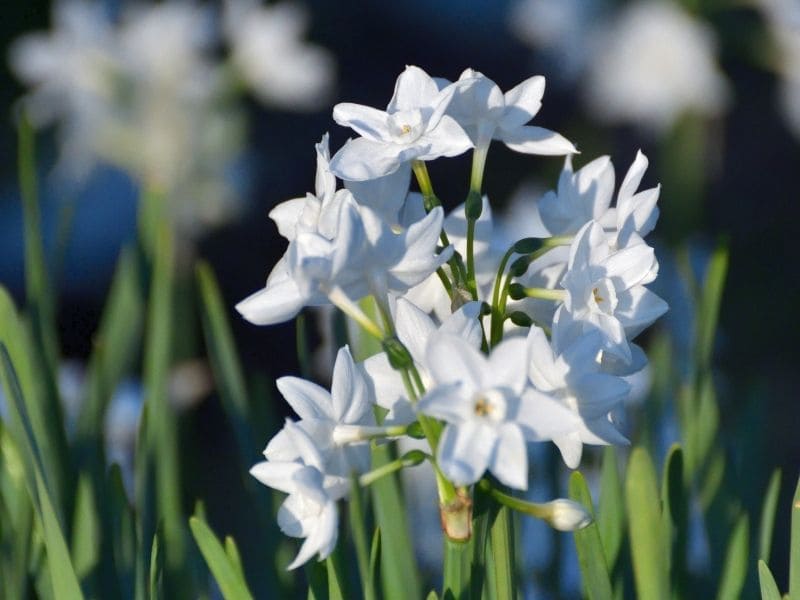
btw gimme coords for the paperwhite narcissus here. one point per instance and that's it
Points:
(486, 113)
(310, 510)
(488, 416)
(605, 290)
(414, 126)
(330, 418)
(573, 376)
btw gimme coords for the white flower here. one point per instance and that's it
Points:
(481, 398)
(414, 329)
(336, 244)
(565, 515)
(486, 113)
(268, 51)
(586, 195)
(330, 418)
(310, 510)
(653, 64)
(413, 127)
(605, 290)
(572, 375)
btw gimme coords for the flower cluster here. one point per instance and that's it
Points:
(150, 92)
(483, 351)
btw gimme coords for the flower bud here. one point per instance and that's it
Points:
(413, 457)
(519, 266)
(527, 245)
(473, 206)
(566, 515)
(397, 353)
(520, 319)
(516, 291)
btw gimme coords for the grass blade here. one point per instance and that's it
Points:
(675, 516)
(769, 589)
(591, 557)
(767, 523)
(226, 572)
(645, 527)
(611, 509)
(709, 305)
(734, 571)
(794, 545)
(62, 573)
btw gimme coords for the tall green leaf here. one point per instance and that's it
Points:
(611, 507)
(769, 589)
(62, 573)
(645, 527)
(767, 523)
(709, 305)
(794, 545)
(675, 517)
(591, 557)
(227, 573)
(734, 571)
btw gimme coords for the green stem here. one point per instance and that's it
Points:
(471, 284)
(357, 526)
(496, 327)
(456, 569)
(545, 294)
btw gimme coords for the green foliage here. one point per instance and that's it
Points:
(224, 564)
(591, 557)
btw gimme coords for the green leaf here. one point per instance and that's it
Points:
(358, 522)
(675, 516)
(591, 557)
(645, 527)
(708, 308)
(16, 518)
(375, 554)
(500, 564)
(235, 557)
(336, 582)
(115, 347)
(456, 570)
(734, 570)
(225, 360)
(399, 574)
(227, 572)
(769, 589)
(62, 573)
(156, 566)
(794, 544)
(611, 509)
(86, 530)
(767, 522)
(122, 531)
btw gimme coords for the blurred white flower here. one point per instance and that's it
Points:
(269, 53)
(783, 18)
(651, 65)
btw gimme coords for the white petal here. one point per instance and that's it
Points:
(465, 324)
(348, 390)
(464, 451)
(414, 328)
(638, 308)
(448, 138)
(388, 390)
(543, 418)
(508, 365)
(277, 475)
(322, 539)
(629, 266)
(541, 368)
(280, 448)
(449, 360)
(306, 398)
(384, 195)
(509, 462)
(523, 101)
(529, 139)
(598, 394)
(286, 214)
(447, 402)
(276, 303)
(362, 159)
(414, 88)
(290, 520)
(571, 449)
(365, 120)
(633, 177)
(306, 448)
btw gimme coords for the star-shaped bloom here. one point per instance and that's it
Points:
(335, 243)
(605, 290)
(586, 194)
(488, 415)
(310, 510)
(332, 419)
(414, 126)
(573, 376)
(414, 329)
(486, 113)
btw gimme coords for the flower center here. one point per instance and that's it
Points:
(405, 126)
(490, 404)
(603, 297)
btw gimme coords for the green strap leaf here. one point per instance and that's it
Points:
(767, 523)
(226, 571)
(794, 544)
(611, 508)
(591, 557)
(708, 308)
(646, 528)
(675, 516)
(769, 589)
(734, 571)
(62, 573)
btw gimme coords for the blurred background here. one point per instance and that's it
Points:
(709, 90)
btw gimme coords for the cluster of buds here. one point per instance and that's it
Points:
(484, 351)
